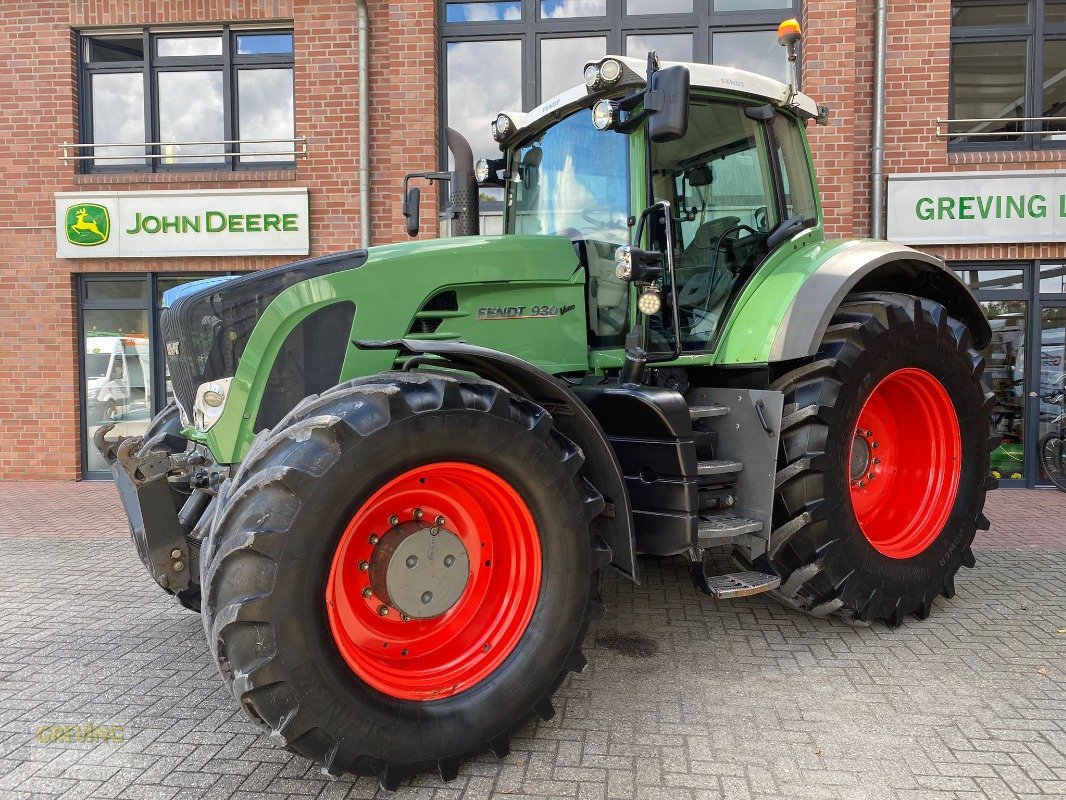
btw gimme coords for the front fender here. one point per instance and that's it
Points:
(570, 415)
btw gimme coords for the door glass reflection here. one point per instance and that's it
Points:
(1005, 374)
(1052, 377)
(116, 386)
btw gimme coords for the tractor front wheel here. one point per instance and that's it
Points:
(883, 464)
(401, 572)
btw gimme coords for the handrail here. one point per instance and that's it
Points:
(946, 134)
(299, 149)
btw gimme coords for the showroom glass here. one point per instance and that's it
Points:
(1052, 378)
(124, 376)
(183, 90)
(562, 62)
(535, 48)
(116, 388)
(1025, 303)
(1008, 62)
(669, 46)
(1005, 374)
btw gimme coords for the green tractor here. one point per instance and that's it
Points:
(391, 477)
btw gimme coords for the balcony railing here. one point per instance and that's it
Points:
(228, 148)
(943, 127)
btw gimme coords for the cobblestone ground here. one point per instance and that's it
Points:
(683, 697)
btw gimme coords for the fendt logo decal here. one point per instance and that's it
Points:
(88, 224)
(522, 312)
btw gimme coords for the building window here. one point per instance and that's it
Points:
(1025, 362)
(516, 54)
(175, 99)
(1008, 74)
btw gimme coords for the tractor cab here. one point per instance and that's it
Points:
(681, 168)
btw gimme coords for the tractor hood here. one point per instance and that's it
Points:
(211, 327)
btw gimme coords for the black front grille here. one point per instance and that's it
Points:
(206, 331)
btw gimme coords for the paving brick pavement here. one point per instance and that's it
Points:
(683, 697)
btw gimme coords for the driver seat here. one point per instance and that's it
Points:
(706, 278)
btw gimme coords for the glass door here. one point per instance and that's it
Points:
(116, 360)
(1050, 382)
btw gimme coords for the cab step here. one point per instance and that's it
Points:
(733, 584)
(718, 466)
(707, 410)
(716, 529)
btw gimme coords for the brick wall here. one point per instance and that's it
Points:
(838, 71)
(38, 112)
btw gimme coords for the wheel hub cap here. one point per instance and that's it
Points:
(420, 571)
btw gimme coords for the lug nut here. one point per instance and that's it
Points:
(411, 561)
(439, 522)
(427, 598)
(448, 560)
(862, 484)
(175, 553)
(383, 611)
(364, 566)
(374, 539)
(877, 461)
(405, 618)
(394, 520)
(418, 513)
(367, 591)
(874, 444)
(869, 433)
(871, 476)
(178, 566)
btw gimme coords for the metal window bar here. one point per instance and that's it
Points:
(299, 149)
(985, 122)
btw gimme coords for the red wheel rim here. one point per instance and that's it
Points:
(905, 463)
(428, 659)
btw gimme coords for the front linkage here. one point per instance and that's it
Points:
(166, 492)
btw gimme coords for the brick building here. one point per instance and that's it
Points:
(250, 109)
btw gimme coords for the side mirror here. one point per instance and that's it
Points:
(666, 101)
(410, 209)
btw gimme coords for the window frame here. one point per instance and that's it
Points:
(1033, 33)
(229, 63)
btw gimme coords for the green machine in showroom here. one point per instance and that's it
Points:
(391, 477)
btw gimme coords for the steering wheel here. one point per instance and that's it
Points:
(602, 223)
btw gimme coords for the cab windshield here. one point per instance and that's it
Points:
(571, 180)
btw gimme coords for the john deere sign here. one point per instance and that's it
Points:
(977, 207)
(88, 224)
(182, 223)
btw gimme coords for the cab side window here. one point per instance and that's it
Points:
(795, 172)
(719, 182)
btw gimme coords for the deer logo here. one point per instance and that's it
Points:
(88, 224)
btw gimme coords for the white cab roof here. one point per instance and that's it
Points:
(702, 76)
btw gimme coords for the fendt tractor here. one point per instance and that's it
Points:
(392, 476)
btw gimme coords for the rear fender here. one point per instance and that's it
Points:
(872, 266)
(785, 316)
(571, 417)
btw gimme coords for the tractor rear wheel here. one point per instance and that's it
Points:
(401, 572)
(883, 464)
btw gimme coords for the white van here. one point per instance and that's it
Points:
(117, 370)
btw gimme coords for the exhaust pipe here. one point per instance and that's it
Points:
(463, 207)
